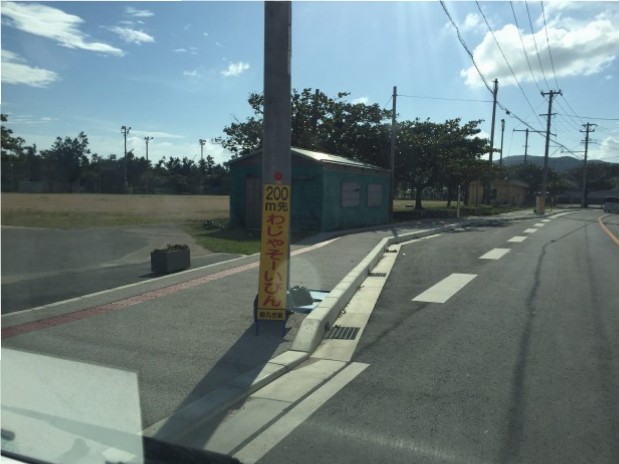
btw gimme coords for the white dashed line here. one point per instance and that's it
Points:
(530, 231)
(496, 253)
(539, 224)
(517, 239)
(445, 289)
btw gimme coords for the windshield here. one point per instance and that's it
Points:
(309, 231)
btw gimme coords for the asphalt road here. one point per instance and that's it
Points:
(43, 266)
(519, 365)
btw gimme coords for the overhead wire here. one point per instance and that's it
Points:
(524, 50)
(552, 63)
(535, 42)
(506, 61)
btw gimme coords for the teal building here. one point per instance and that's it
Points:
(328, 192)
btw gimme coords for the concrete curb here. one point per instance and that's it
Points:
(191, 416)
(310, 334)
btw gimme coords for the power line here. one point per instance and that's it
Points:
(445, 98)
(535, 42)
(465, 46)
(505, 58)
(524, 50)
(590, 117)
(552, 63)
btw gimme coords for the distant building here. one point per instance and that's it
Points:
(502, 192)
(328, 192)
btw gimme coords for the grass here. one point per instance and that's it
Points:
(190, 212)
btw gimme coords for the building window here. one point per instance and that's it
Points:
(350, 194)
(375, 195)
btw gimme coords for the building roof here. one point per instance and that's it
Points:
(319, 157)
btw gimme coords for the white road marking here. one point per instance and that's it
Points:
(545, 220)
(445, 289)
(517, 239)
(267, 440)
(539, 224)
(496, 253)
(530, 231)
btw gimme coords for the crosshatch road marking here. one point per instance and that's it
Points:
(496, 253)
(517, 239)
(445, 289)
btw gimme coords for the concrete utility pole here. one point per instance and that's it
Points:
(488, 186)
(551, 94)
(274, 276)
(124, 130)
(526, 142)
(502, 133)
(392, 152)
(588, 129)
(147, 139)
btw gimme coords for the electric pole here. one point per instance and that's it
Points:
(502, 133)
(202, 142)
(124, 130)
(551, 94)
(588, 129)
(488, 184)
(392, 153)
(147, 139)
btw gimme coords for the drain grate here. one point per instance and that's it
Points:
(391, 251)
(377, 274)
(338, 332)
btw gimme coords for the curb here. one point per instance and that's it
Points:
(311, 332)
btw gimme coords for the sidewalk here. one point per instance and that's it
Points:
(190, 336)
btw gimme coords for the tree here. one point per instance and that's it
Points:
(600, 176)
(430, 154)
(67, 159)
(318, 122)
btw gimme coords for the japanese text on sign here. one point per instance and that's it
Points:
(274, 252)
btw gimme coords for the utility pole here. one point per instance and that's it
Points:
(124, 130)
(526, 142)
(274, 277)
(502, 133)
(588, 129)
(542, 200)
(392, 153)
(147, 139)
(202, 142)
(488, 184)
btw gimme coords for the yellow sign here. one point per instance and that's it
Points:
(274, 252)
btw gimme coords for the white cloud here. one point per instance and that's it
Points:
(138, 13)
(193, 73)
(156, 134)
(190, 50)
(472, 23)
(363, 100)
(54, 24)
(16, 71)
(578, 48)
(131, 35)
(205, 34)
(235, 69)
(609, 147)
(218, 44)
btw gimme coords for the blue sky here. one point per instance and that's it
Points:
(181, 71)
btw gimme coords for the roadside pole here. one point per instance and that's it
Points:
(276, 169)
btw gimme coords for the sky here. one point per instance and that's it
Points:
(182, 71)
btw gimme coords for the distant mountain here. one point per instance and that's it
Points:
(558, 164)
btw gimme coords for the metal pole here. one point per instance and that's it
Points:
(202, 142)
(125, 130)
(502, 133)
(392, 154)
(146, 139)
